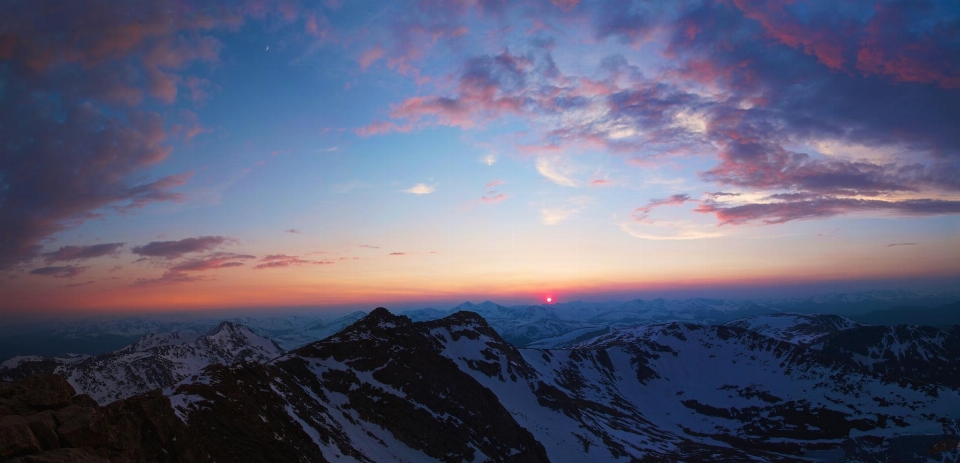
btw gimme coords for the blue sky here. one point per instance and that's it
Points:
(351, 153)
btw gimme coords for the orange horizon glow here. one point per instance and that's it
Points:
(332, 296)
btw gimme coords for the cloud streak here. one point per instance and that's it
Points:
(184, 271)
(283, 261)
(553, 169)
(68, 253)
(420, 189)
(641, 214)
(778, 212)
(67, 271)
(176, 249)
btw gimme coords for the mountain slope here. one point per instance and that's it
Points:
(154, 361)
(802, 329)
(389, 389)
(377, 391)
(921, 354)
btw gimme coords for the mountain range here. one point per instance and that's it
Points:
(104, 334)
(153, 361)
(563, 324)
(774, 387)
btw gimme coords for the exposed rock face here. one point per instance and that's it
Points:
(42, 420)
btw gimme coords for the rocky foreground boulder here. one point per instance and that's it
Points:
(42, 419)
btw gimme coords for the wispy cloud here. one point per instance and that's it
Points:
(641, 214)
(66, 271)
(398, 253)
(489, 159)
(370, 56)
(494, 184)
(573, 206)
(798, 206)
(901, 244)
(77, 285)
(493, 197)
(185, 271)
(670, 231)
(293, 230)
(212, 262)
(283, 261)
(420, 189)
(553, 216)
(175, 249)
(368, 246)
(67, 253)
(556, 171)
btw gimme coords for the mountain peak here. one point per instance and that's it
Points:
(381, 313)
(226, 326)
(483, 306)
(378, 319)
(465, 317)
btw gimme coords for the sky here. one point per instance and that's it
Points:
(179, 155)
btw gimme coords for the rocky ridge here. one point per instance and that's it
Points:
(390, 389)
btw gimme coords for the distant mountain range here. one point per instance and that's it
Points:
(774, 387)
(557, 325)
(100, 335)
(545, 326)
(153, 361)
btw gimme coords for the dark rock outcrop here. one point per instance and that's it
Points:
(43, 420)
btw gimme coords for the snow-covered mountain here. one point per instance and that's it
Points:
(802, 329)
(154, 361)
(787, 387)
(389, 389)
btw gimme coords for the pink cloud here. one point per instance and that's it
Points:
(212, 262)
(822, 207)
(641, 214)
(283, 261)
(826, 44)
(492, 198)
(370, 56)
(565, 5)
(98, 60)
(378, 128)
